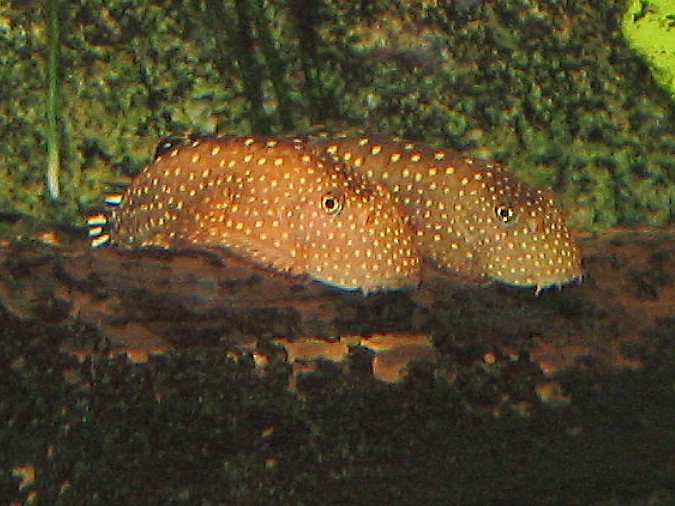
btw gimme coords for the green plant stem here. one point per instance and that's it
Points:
(53, 137)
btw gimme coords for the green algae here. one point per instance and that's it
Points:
(649, 26)
(550, 88)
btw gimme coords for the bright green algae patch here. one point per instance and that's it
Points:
(649, 26)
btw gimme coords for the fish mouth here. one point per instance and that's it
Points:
(542, 287)
(541, 279)
(541, 267)
(402, 283)
(369, 285)
(523, 275)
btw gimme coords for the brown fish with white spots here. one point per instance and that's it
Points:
(276, 203)
(471, 217)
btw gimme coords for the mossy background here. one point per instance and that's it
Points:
(548, 87)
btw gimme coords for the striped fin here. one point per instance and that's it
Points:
(99, 223)
(98, 229)
(114, 199)
(99, 219)
(101, 240)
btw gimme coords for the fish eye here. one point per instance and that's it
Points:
(505, 214)
(331, 203)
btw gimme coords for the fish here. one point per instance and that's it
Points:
(276, 203)
(471, 218)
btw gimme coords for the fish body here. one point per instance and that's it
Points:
(470, 217)
(274, 202)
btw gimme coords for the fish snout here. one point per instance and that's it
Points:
(539, 252)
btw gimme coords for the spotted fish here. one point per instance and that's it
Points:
(274, 202)
(471, 217)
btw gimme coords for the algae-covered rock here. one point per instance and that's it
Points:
(550, 88)
(649, 26)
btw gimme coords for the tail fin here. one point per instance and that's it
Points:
(99, 223)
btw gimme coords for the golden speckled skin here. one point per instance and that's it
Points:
(276, 203)
(471, 217)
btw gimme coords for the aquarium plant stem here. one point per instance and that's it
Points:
(53, 137)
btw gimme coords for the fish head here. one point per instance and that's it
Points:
(521, 236)
(355, 235)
